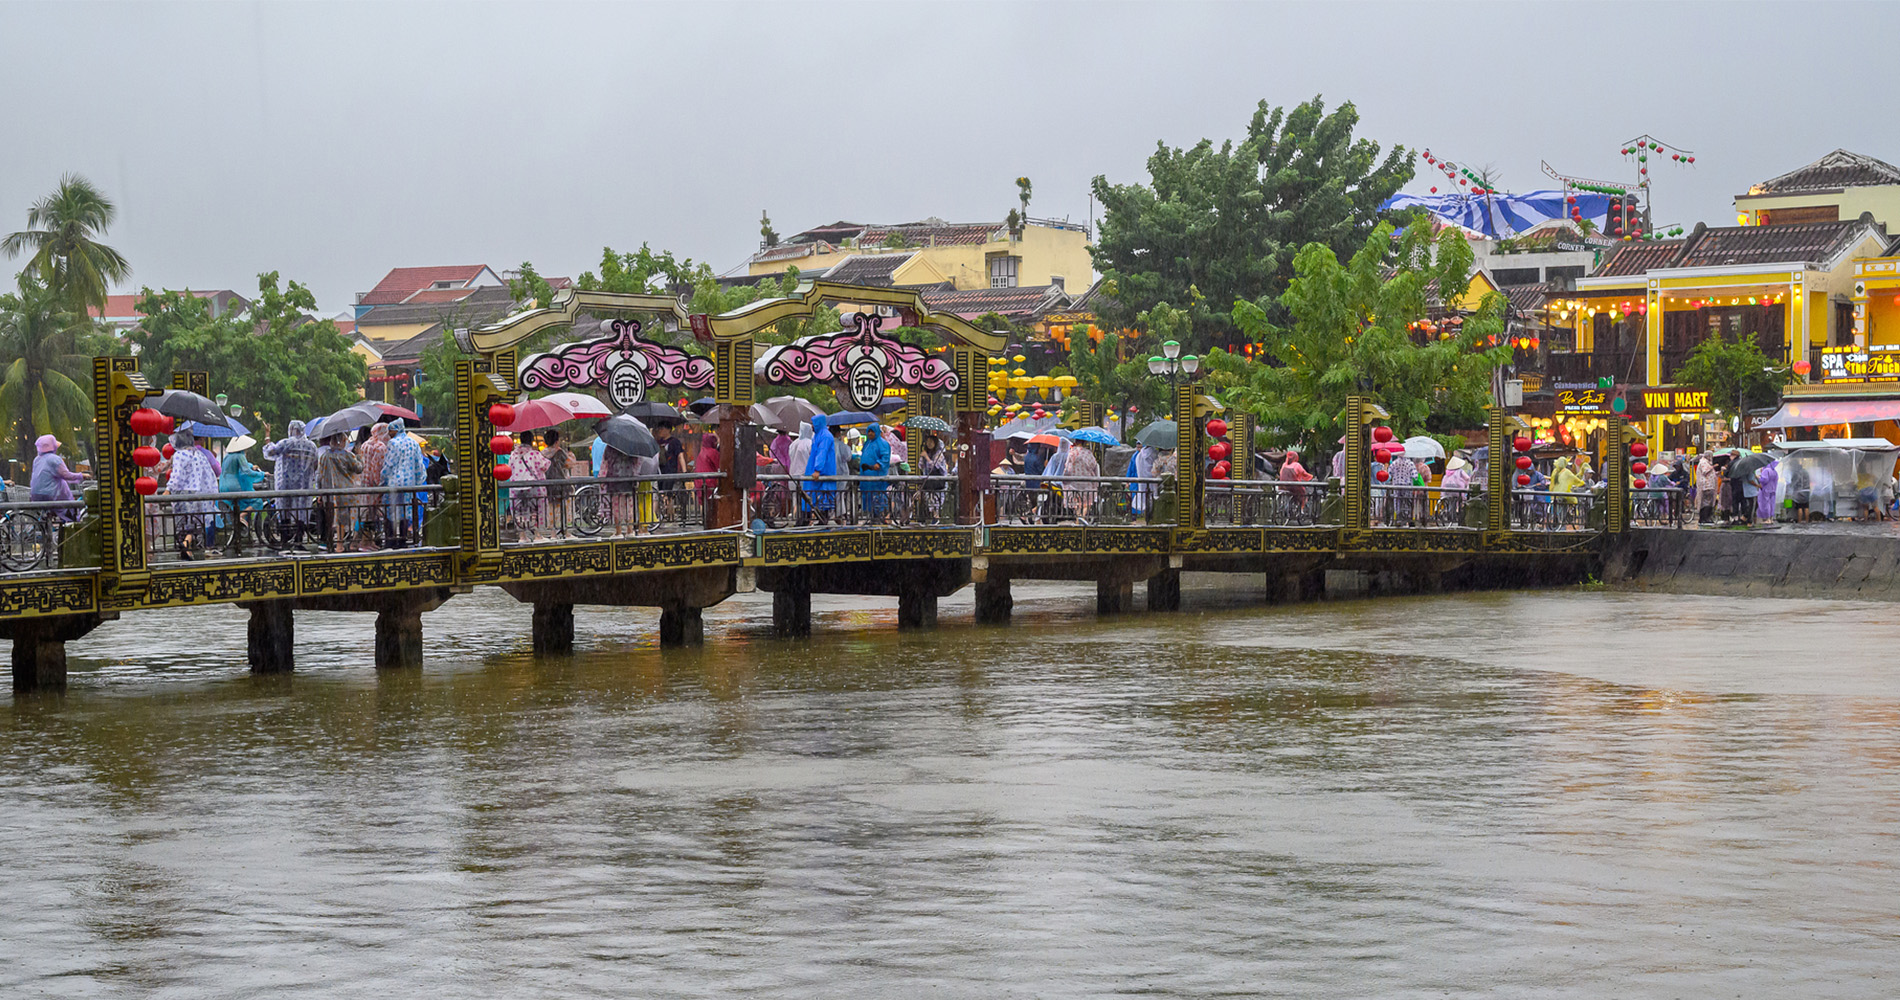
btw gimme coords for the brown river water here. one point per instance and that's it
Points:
(1553, 794)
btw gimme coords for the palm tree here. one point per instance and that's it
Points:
(44, 378)
(62, 234)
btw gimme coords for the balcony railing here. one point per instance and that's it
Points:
(1539, 510)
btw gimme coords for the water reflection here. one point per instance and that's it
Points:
(1477, 794)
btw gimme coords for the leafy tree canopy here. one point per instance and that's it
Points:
(1734, 369)
(1219, 225)
(1350, 332)
(272, 358)
(45, 368)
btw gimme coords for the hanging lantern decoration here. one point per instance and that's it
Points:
(502, 415)
(1802, 367)
(1638, 449)
(1521, 443)
(1217, 428)
(1382, 434)
(1523, 479)
(168, 450)
(1219, 450)
(167, 423)
(501, 444)
(1639, 467)
(145, 486)
(503, 472)
(1382, 475)
(145, 456)
(1221, 470)
(1524, 462)
(1640, 483)
(146, 421)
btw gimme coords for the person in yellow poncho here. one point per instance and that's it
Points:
(1564, 479)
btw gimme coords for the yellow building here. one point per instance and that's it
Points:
(932, 252)
(1838, 186)
(1789, 287)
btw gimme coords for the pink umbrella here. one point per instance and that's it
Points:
(392, 410)
(550, 410)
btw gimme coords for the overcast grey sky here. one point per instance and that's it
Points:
(332, 142)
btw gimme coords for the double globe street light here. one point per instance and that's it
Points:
(1171, 363)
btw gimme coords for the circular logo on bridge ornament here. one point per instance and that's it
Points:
(626, 382)
(867, 383)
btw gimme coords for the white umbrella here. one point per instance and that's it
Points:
(1421, 446)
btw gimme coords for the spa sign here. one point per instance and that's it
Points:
(1860, 364)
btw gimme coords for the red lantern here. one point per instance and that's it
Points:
(1221, 470)
(1219, 450)
(1522, 444)
(1382, 475)
(169, 450)
(501, 444)
(1217, 428)
(145, 456)
(1523, 461)
(1640, 483)
(1523, 479)
(1382, 434)
(167, 423)
(145, 486)
(1434, 190)
(1639, 467)
(1802, 367)
(1381, 455)
(1638, 450)
(145, 421)
(501, 414)
(503, 472)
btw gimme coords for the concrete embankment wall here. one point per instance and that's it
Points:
(1784, 563)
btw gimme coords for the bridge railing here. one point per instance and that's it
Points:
(30, 533)
(1420, 506)
(1666, 507)
(1541, 510)
(187, 527)
(605, 506)
(1106, 500)
(1263, 503)
(782, 501)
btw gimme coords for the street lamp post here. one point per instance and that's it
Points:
(1170, 363)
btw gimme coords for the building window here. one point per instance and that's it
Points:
(1003, 270)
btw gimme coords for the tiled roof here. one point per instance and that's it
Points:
(429, 295)
(1528, 298)
(924, 234)
(869, 269)
(1839, 169)
(402, 282)
(1635, 258)
(1086, 302)
(1019, 301)
(1729, 246)
(117, 307)
(482, 305)
(411, 349)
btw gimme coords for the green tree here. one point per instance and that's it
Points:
(62, 235)
(1219, 225)
(1102, 377)
(45, 371)
(273, 358)
(1734, 370)
(1352, 332)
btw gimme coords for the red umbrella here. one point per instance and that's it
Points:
(561, 406)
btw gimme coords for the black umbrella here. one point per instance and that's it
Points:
(703, 405)
(653, 414)
(1745, 466)
(186, 405)
(628, 436)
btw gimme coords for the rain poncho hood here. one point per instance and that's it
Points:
(823, 457)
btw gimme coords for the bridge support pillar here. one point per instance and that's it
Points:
(1114, 597)
(916, 609)
(553, 629)
(791, 613)
(39, 649)
(399, 636)
(993, 602)
(272, 638)
(1164, 591)
(1305, 585)
(682, 626)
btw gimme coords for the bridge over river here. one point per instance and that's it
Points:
(684, 543)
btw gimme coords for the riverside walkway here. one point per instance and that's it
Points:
(681, 544)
